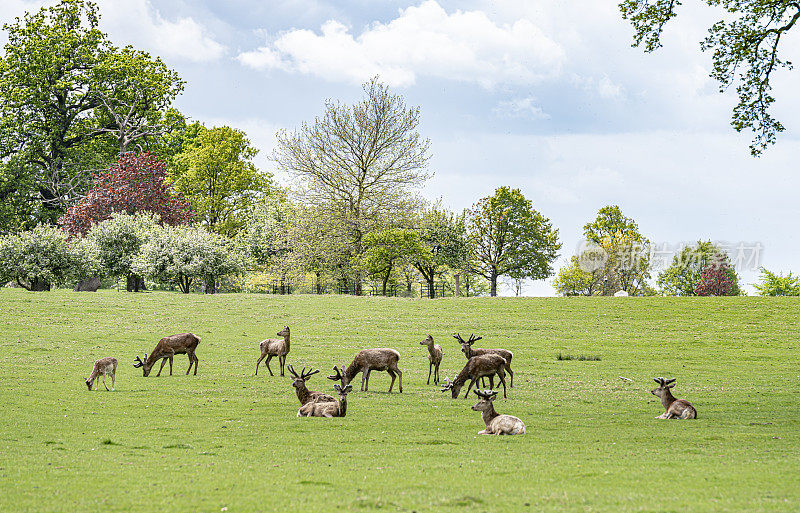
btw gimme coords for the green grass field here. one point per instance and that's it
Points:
(226, 440)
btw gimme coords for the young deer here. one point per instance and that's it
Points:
(303, 393)
(330, 409)
(435, 354)
(103, 366)
(496, 424)
(368, 360)
(469, 352)
(477, 367)
(167, 347)
(675, 408)
(275, 347)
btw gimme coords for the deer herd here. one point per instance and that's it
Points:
(481, 364)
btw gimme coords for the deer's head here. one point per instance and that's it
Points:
(486, 398)
(466, 345)
(343, 391)
(142, 362)
(300, 379)
(89, 384)
(284, 332)
(663, 387)
(449, 385)
(427, 342)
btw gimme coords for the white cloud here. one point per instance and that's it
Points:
(183, 38)
(520, 108)
(422, 41)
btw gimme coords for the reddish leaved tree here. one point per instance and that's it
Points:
(718, 278)
(134, 184)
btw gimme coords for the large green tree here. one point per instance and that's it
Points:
(387, 250)
(445, 237)
(360, 162)
(64, 90)
(683, 274)
(745, 45)
(511, 238)
(217, 175)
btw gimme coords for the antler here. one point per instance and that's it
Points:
(291, 370)
(447, 385)
(337, 376)
(457, 336)
(667, 382)
(311, 372)
(137, 362)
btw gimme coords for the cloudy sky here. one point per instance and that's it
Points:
(547, 96)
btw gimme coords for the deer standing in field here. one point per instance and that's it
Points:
(368, 360)
(275, 347)
(477, 367)
(496, 424)
(167, 347)
(303, 393)
(469, 352)
(435, 354)
(675, 408)
(329, 409)
(103, 366)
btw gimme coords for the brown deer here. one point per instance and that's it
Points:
(368, 360)
(496, 424)
(275, 347)
(303, 393)
(675, 408)
(167, 347)
(103, 366)
(469, 352)
(330, 409)
(435, 354)
(477, 367)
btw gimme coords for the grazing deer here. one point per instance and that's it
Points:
(469, 352)
(477, 367)
(435, 354)
(303, 393)
(368, 360)
(496, 424)
(103, 366)
(675, 408)
(329, 409)
(167, 347)
(275, 347)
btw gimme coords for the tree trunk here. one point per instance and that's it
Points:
(87, 285)
(431, 287)
(39, 285)
(458, 284)
(211, 285)
(319, 284)
(134, 283)
(494, 283)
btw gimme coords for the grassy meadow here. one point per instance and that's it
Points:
(226, 440)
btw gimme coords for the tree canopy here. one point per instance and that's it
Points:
(746, 45)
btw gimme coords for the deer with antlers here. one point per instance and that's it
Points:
(469, 352)
(303, 393)
(435, 354)
(675, 408)
(368, 360)
(329, 409)
(496, 424)
(477, 367)
(275, 347)
(166, 349)
(103, 366)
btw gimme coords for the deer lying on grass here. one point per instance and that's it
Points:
(435, 354)
(103, 366)
(167, 347)
(675, 408)
(368, 360)
(330, 409)
(469, 352)
(477, 367)
(496, 424)
(275, 347)
(303, 393)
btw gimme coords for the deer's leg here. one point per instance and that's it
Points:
(269, 357)
(170, 366)
(259, 361)
(491, 382)
(113, 379)
(472, 382)
(436, 378)
(510, 373)
(104, 382)
(393, 375)
(365, 379)
(282, 361)
(196, 360)
(399, 377)
(503, 381)
(163, 361)
(430, 367)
